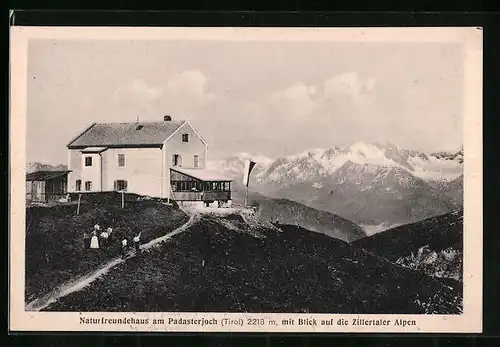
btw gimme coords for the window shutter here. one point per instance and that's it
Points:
(125, 185)
(116, 185)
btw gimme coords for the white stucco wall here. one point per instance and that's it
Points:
(142, 170)
(75, 165)
(91, 173)
(186, 150)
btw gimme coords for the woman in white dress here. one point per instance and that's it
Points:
(94, 241)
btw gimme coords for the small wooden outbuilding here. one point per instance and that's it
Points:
(46, 186)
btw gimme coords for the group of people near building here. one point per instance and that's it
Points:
(98, 239)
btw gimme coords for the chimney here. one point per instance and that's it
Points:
(167, 118)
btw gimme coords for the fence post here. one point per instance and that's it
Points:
(79, 200)
(123, 200)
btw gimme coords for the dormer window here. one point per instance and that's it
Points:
(185, 137)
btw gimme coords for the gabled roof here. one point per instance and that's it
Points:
(126, 134)
(202, 174)
(45, 175)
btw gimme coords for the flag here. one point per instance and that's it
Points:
(249, 165)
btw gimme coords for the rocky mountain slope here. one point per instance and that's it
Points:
(370, 184)
(434, 245)
(239, 263)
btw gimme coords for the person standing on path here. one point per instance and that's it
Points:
(94, 241)
(109, 230)
(104, 239)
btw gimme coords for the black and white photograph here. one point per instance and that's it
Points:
(314, 173)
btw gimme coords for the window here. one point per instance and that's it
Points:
(88, 161)
(176, 160)
(185, 137)
(195, 161)
(121, 160)
(121, 185)
(78, 185)
(88, 186)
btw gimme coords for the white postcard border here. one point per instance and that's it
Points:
(471, 319)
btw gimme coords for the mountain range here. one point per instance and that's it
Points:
(36, 166)
(371, 184)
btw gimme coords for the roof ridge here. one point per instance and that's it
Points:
(108, 134)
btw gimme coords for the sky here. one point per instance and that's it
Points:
(268, 98)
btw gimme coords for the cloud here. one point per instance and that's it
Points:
(297, 100)
(345, 91)
(189, 84)
(138, 90)
(348, 84)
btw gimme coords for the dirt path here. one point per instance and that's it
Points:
(82, 282)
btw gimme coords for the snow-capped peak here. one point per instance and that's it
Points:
(318, 162)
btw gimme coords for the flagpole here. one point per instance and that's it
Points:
(249, 164)
(246, 196)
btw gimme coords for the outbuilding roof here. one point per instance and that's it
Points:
(126, 134)
(45, 175)
(202, 174)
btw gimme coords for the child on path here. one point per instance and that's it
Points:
(137, 242)
(124, 247)
(86, 240)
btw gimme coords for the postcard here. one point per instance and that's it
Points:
(246, 179)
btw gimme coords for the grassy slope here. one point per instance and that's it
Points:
(291, 212)
(434, 246)
(260, 270)
(438, 232)
(54, 237)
